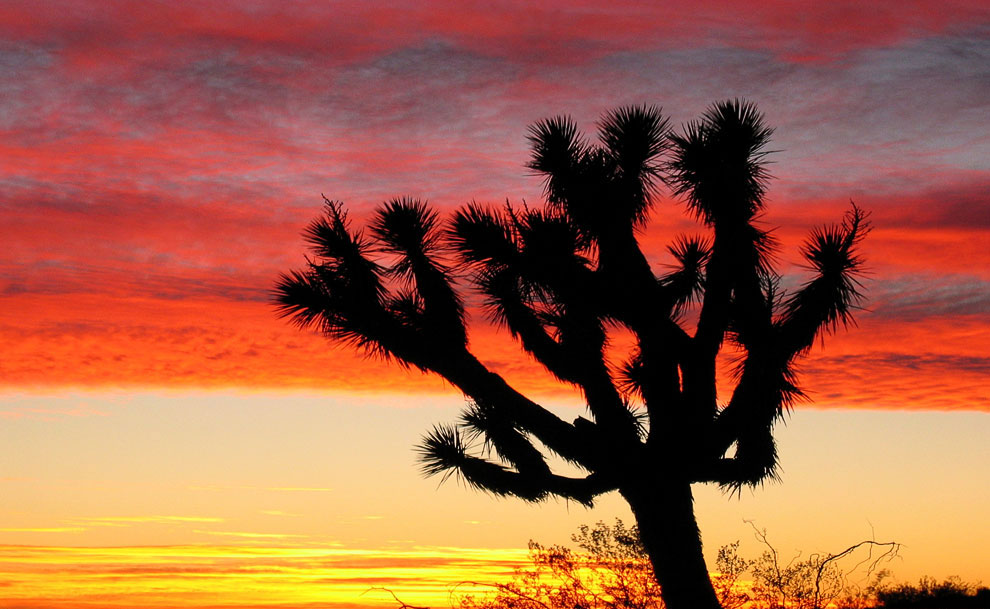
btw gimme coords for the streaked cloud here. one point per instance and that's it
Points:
(43, 529)
(277, 489)
(302, 489)
(247, 534)
(161, 160)
(255, 576)
(129, 520)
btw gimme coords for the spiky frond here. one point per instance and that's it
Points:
(499, 433)
(632, 375)
(759, 402)
(408, 309)
(741, 260)
(543, 233)
(343, 253)
(556, 151)
(482, 236)
(755, 463)
(505, 298)
(406, 228)
(765, 390)
(510, 303)
(302, 298)
(827, 300)
(525, 261)
(831, 250)
(719, 163)
(756, 250)
(551, 253)
(442, 451)
(341, 293)
(751, 313)
(578, 178)
(331, 239)
(687, 279)
(635, 137)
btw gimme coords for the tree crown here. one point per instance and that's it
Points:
(559, 277)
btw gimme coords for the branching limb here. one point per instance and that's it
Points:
(764, 391)
(890, 552)
(767, 384)
(827, 301)
(817, 581)
(407, 228)
(484, 386)
(341, 293)
(482, 420)
(528, 265)
(444, 452)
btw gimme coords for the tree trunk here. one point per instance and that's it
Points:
(669, 531)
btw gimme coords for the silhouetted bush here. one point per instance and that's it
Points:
(951, 593)
(819, 580)
(611, 570)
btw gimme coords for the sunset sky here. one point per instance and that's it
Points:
(167, 441)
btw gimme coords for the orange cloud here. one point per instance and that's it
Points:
(215, 343)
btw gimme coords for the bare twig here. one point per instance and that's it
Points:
(402, 605)
(787, 581)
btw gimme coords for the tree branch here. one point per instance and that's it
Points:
(443, 452)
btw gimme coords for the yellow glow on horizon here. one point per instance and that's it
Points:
(244, 576)
(211, 526)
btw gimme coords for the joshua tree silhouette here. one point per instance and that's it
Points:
(560, 278)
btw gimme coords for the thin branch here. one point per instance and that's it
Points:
(402, 605)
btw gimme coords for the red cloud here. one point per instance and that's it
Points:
(550, 31)
(160, 161)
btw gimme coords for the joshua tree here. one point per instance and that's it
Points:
(561, 278)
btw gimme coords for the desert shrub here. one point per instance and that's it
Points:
(726, 580)
(951, 593)
(610, 569)
(820, 580)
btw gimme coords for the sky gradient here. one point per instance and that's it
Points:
(158, 162)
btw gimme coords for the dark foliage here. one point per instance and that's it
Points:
(951, 593)
(609, 569)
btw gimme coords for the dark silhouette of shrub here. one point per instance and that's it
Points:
(951, 593)
(609, 570)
